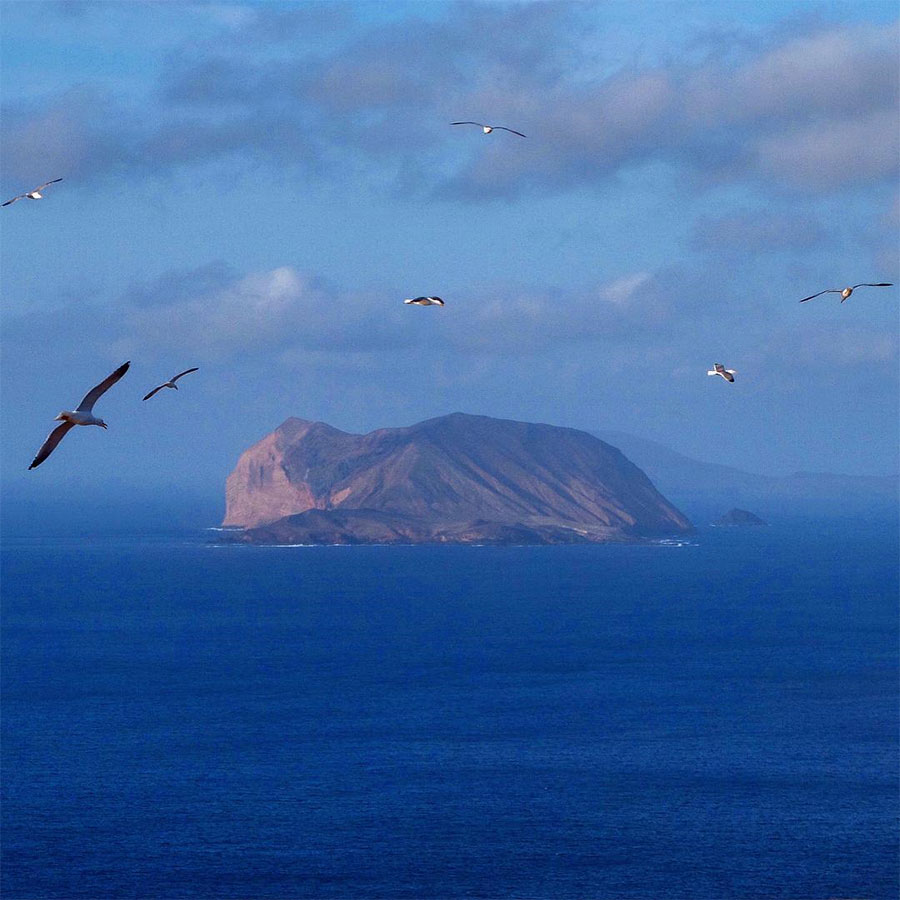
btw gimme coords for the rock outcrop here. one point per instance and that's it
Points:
(739, 518)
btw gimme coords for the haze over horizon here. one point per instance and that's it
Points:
(254, 189)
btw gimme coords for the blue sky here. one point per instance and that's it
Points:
(254, 188)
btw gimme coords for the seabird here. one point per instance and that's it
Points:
(487, 129)
(171, 382)
(32, 195)
(719, 369)
(425, 301)
(81, 416)
(847, 291)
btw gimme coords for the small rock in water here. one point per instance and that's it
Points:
(737, 518)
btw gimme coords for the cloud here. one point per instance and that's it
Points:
(830, 155)
(71, 135)
(276, 23)
(814, 111)
(831, 347)
(757, 231)
(282, 311)
(261, 314)
(283, 316)
(623, 289)
(721, 121)
(286, 317)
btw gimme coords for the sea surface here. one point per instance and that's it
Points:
(712, 720)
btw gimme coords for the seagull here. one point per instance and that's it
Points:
(719, 369)
(81, 416)
(847, 291)
(171, 382)
(32, 195)
(425, 301)
(487, 129)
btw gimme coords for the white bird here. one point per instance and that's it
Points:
(171, 382)
(719, 369)
(425, 301)
(81, 416)
(32, 195)
(847, 291)
(487, 129)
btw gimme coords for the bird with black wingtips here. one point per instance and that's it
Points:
(719, 369)
(32, 195)
(487, 129)
(847, 291)
(171, 382)
(82, 415)
(425, 301)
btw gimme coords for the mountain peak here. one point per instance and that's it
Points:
(294, 424)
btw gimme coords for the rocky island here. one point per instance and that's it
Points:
(739, 518)
(454, 479)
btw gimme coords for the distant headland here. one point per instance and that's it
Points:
(453, 479)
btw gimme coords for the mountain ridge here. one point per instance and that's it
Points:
(702, 488)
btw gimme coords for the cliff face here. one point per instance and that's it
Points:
(457, 475)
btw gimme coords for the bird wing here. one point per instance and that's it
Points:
(49, 445)
(13, 200)
(46, 183)
(468, 123)
(436, 300)
(870, 284)
(154, 391)
(502, 128)
(91, 397)
(185, 372)
(813, 297)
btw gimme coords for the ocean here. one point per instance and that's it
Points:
(717, 719)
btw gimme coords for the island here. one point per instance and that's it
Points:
(460, 479)
(738, 518)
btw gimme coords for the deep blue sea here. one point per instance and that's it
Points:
(717, 720)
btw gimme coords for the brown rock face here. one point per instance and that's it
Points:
(444, 479)
(262, 488)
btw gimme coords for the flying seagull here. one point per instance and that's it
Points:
(171, 382)
(719, 369)
(32, 195)
(425, 301)
(81, 416)
(487, 129)
(847, 291)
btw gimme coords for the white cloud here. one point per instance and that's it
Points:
(830, 154)
(622, 290)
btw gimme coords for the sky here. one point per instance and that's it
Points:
(254, 188)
